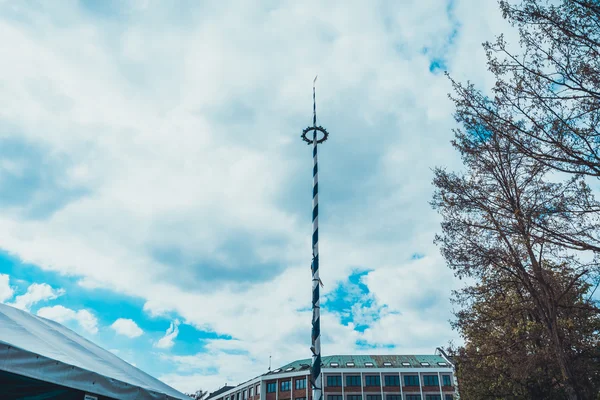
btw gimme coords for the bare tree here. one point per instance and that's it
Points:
(546, 100)
(522, 223)
(503, 228)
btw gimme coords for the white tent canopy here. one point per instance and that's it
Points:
(41, 349)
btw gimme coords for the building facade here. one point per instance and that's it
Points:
(389, 377)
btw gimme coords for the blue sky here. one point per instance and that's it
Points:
(155, 195)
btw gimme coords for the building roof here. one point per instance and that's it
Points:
(218, 392)
(368, 361)
(42, 349)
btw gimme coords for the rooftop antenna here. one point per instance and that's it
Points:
(269, 362)
(316, 376)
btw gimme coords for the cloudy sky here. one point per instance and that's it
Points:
(155, 195)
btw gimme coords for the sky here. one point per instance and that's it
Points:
(155, 195)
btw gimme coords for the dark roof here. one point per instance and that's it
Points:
(218, 392)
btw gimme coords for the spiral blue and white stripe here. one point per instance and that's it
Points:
(316, 311)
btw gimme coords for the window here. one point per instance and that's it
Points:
(353, 380)
(334, 397)
(354, 397)
(285, 386)
(349, 364)
(433, 397)
(406, 364)
(238, 396)
(393, 397)
(300, 398)
(277, 370)
(387, 364)
(301, 383)
(425, 364)
(413, 397)
(372, 380)
(334, 364)
(289, 369)
(252, 391)
(258, 390)
(392, 380)
(446, 380)
(442, 364)
(368, 364)
(411, 380)
(335, 380)
(245, 394)
(431, 380)
(449, 397)
(271, 387)
(373, 397)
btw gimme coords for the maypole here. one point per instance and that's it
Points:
(316, 376)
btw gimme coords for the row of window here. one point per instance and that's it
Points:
(286, 385)
(390, 380)
(392, 397)
(352, 380)
(238, 396)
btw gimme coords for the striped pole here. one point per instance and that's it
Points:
(316, 319)
(316, 377)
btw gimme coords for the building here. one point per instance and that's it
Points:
(357, 377)
(40, 358)
(217, 394)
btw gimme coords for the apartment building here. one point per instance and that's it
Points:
(355, 377)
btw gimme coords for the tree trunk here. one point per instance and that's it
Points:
(563, 363)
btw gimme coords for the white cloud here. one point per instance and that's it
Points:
(36, 292)
(167, 341)
(84, 318)
(229, 357)
(6, 291)
(127, 327)
(171, 159)
(421, 310)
